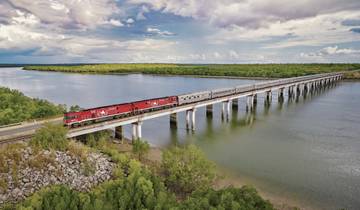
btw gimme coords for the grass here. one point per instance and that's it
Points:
(234, 70)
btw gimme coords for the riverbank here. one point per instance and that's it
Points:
(218, 70)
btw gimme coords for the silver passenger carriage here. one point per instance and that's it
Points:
(222, 92)
(244, 88)
(194, 97)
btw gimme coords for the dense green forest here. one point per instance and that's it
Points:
(236, 70)
(16, 107)
(183, 180)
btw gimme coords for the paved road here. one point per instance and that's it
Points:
(26, 127)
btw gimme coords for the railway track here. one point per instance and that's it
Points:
(15, 139)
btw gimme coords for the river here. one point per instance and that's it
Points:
(306, 152)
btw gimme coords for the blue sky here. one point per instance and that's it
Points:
(179, 31)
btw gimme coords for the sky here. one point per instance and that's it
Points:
(179, 31)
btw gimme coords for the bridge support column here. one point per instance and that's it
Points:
(139, 130)
(254, 99)
(119, 132)
(193, 111)
(136, 130)
(228, 109)
(209, 110)
(187, 118)
(235, 103)
(298, 90)
(281, 94)
(223, 110)
(249, 103)
(289, 91)
(268, 97)
(173, 120)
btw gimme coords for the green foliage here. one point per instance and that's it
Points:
(15, 107)
(56, 197)
(50, 136)
(245, 198)
(237, 70)
(140, 148)
(75, 108)
(187, 169)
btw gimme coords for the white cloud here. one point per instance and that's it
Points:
(157, 31)
(330, 51)
(250, 14)
(117, 23)
(313, 31)
(81, 14)
(130, 21)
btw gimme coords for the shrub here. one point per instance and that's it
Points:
(140, 148)
(228, 198)
(50, 136)
(186, 169)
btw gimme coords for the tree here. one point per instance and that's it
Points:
(140, 148)
(50, 136)
(75, 108)
(244, 198)
(187, 169)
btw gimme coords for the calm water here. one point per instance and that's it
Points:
(306, 151)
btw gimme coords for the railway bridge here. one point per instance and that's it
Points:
(295, 87)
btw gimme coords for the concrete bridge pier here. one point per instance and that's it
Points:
(136, 130)
(298, 90)
(311, 87)
(228, 109)
(305, 89)
(209, 110)
(290, 92)
(119, 132)
(235, 103)
(249, 103)
(255, 100)
(187, 119)
(281, 94)
(193, 111)
(173, 120)
(268, 98)
(223, 110)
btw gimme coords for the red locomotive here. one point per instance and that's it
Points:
(98, 114)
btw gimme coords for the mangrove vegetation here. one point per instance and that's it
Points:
(231, 70)
(16, 107)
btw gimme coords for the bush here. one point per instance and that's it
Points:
(187, 169)
(229, 198)
(50, 136)
(140, 148)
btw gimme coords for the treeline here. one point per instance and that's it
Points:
(236, 70)
(184, 180)
(16, 107)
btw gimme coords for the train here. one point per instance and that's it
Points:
(98, 114)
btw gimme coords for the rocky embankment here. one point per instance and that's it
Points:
(29, 171)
